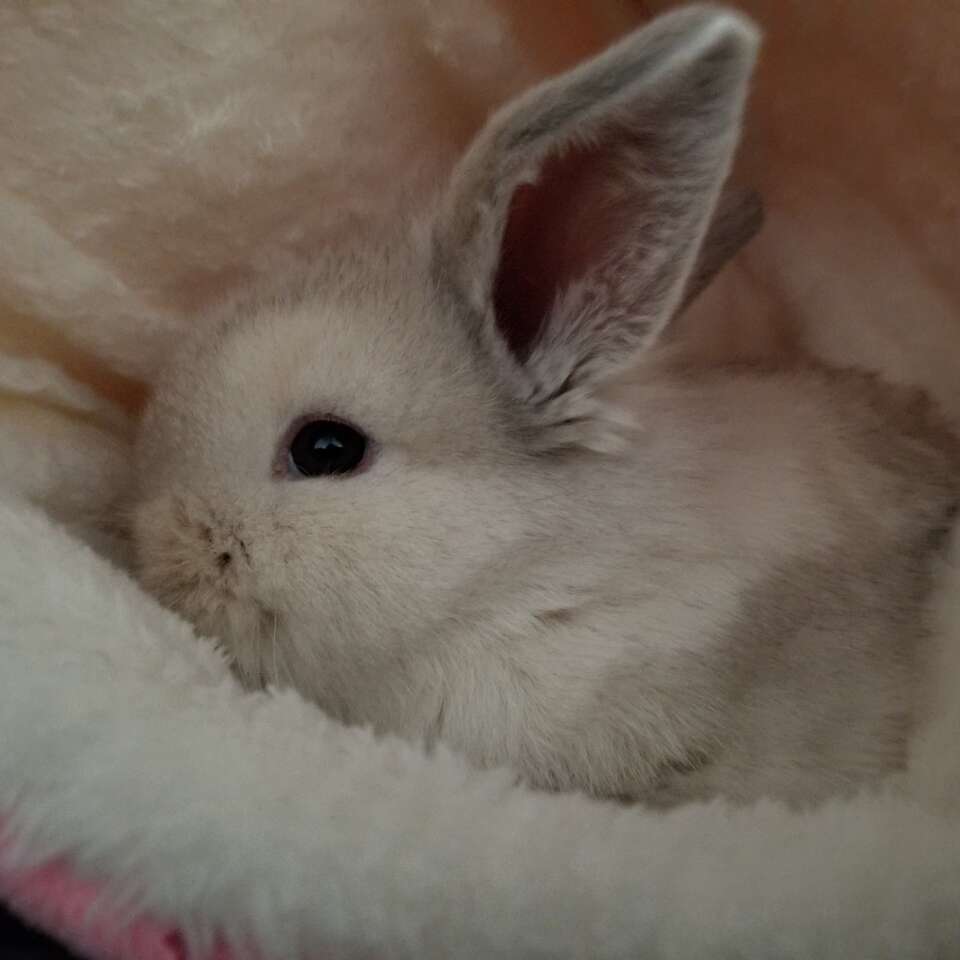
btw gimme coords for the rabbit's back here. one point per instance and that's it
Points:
(788, 528)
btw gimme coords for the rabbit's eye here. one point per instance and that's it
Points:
(323, 448)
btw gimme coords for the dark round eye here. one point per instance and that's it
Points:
(323, 448)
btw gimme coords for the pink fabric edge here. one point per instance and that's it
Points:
(53, 899)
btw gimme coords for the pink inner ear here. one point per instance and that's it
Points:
(556, 228)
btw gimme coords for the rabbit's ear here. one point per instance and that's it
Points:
(572, 226)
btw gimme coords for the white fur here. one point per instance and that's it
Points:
(656, 583)
(934, 769)
(108, 231)
(128, 748)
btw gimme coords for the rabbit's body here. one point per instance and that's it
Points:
(741, 603)
(653, 581)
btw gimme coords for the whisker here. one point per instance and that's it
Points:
(276, 669)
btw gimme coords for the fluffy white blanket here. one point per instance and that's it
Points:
(127, 748)
(156, 155)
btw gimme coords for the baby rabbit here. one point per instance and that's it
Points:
(451, 483)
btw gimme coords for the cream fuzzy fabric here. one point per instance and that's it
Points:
(128, 747)
(154, 156)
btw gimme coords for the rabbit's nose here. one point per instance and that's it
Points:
(228, 551)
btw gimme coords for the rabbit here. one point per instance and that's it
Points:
(456, 483)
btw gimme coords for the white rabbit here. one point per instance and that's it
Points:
(450, 483)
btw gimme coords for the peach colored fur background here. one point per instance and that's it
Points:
(155, 155)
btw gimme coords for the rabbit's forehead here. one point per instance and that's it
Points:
(399, 369)
(399, 373)
(367, 360)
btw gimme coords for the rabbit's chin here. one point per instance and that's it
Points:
(248, 634)
(243, 629)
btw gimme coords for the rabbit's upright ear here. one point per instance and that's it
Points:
(572, 225)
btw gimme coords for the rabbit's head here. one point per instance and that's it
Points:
(335, 474)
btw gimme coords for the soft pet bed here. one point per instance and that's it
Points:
(154, 156)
